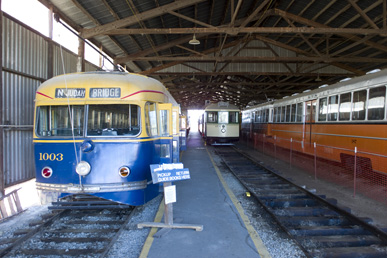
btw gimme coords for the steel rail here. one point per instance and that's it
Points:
(341, 213)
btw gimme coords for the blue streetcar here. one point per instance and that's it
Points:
(96, 133)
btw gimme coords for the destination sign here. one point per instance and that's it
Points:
(169, 172)
(97, 93)
(70, 93)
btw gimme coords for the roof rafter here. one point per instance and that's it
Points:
(261, 59)
(234, 31)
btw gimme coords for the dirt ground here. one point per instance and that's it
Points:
(360, 205)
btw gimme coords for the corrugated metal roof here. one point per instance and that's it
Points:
(326, 50)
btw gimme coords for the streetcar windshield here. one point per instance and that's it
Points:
(60, 121)
(102, 120)
(113, 120)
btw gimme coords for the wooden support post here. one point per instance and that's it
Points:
(168, 215)
(81, 56)
(50, 45)
(2, 176)
(315, 161)
(354, 172)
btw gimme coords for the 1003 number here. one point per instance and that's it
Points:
(51, 156)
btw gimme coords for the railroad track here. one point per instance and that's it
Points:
(78, 233)
(317, 224)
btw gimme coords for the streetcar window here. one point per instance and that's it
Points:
(293, 117)
(333, 107)
(300, 111)
(322, 110)
(175, 116)
(212, 117)
(310, 112)
(283, 113)
(246, 117)
(113, 120)
(256, 117)
(376, 102)
(233, 117)
(345, 106)
(275, 115)
(60, 121)
(267, 112)
(223, 117)
(358, 105)
(151, 119)
(287, 113)
(164, 123)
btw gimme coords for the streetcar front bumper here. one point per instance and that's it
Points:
(94, 188)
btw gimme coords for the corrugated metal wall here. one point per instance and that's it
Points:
(260, 50)
(25, 67)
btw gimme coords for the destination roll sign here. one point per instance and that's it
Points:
(70, 93)
(94, 93)
(105, 93)
(162, 173)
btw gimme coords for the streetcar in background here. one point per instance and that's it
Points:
(220, 123)
(348, 115)
(96, 133)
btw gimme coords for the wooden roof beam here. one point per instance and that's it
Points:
(178, 74)
(262, 59)
(260, 30)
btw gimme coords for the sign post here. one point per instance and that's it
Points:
(166, 174)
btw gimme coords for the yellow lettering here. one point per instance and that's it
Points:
(52, 156)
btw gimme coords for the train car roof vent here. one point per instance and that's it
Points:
(373, 71)
(306, 90)
(346, 79)
(223, 104)
(323, 86)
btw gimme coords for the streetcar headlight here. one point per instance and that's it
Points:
(83, 168)
(124, 171)
(47, 172)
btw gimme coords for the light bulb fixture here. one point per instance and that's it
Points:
(194, 41)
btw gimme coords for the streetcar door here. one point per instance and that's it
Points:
(165, 130)
(175, 135)
(310, 116)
